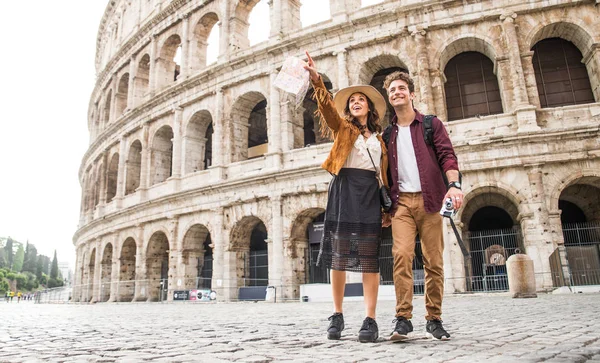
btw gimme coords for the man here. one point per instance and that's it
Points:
(418, 191)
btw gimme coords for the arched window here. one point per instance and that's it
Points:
(471, 87)
(561, 77)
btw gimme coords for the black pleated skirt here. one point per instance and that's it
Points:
(352, 230)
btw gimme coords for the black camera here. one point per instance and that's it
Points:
(447, 208)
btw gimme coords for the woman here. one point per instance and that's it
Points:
(352, 232)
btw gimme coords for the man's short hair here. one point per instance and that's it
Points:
(403, 76)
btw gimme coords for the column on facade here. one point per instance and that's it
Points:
(115, 271)
(131, 102)
(97, 278)
(285, 17)
(121, 173)
(218, 239)
(276, 257)
(174, 276)
(592, 63)
(76, 280)
(177, 143)
(184, 70)
(530, 81)
(113, 101)
(145, 169)
(341, 9)
(224, 32)
(274, 122)
(342, 68)
(438, 79)
(221, 156)
(141, 282)
(526, 117)
(454, 260)
(102, 186)
(533, 217)
(288, 116)
(425, 91)
(152, 70)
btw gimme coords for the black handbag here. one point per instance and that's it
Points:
(384, 193)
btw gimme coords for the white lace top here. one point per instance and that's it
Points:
(359, 157)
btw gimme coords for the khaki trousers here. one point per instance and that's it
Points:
(410, 219)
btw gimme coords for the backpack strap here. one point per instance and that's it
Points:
(386, 135)
(428, 130)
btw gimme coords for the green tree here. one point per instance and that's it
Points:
(8, 250)
(30, 261)
(39, 268)
(3, 261)
(45, 264)
(19, 257)
(54, 269)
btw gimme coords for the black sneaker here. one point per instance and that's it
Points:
(336, 325)
(369, 332)
(403, 327)
(434, 329)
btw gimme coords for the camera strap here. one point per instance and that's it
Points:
(461, 244)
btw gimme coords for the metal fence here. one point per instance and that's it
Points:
(578, 262)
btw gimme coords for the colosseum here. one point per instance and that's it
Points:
(201, 175)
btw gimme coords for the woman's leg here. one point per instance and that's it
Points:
(370, 290)
(338, 284)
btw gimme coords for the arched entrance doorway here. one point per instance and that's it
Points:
(157, 267)
(126, 286)
(492, 235)
(580, 218)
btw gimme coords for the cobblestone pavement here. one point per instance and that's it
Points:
(490, 328)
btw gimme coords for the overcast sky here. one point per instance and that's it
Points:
(48, 76)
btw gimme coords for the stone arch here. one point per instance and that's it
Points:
(127, 271)
(571, 31)
(239, 24)
(378, 63)
(299, 248)
(240, 242)
(122, 94)
(141, 83)
(375, 70)
(167, 64)
(199, 44)
(497, 195)
(197, 251)
(250, 133)
(111, 177)
(157, 266)
(558, 182)
(197, 142)
(162, 154)
(310, 121)
(465, 43)
(106, 272)
(584, 193)
(133, 167)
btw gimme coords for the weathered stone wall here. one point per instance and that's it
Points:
(144, 185)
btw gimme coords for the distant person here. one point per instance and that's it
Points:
(12, 295)
(19, 294)
(6, 296)
(352, 231)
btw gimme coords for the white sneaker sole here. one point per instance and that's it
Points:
(395, 337)
(430, 336)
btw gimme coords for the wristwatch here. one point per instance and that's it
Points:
(454, 184)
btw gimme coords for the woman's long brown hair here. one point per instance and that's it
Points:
(373, 119)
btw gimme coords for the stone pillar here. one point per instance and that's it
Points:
(131, 102)
(152, 70)
(141, 284)
(76, 296)
(592, 63)
(115, 272)
(342, 71)
(97, 278)
(177, 144)
(113, 101)
(224, 32)
(274, 122)
(175, 259)
(220, 155)
(533, 217)
(288, 117)
(184, 70)
(121, 171)
(530, 81)
(145, 163)
(218, 239)
(454, 260)
(102, 186)
(341, 9)
(438, 79)
(425, 91)
(285, 17)
(276, 257)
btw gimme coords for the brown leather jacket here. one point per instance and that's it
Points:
(344, 133)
